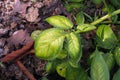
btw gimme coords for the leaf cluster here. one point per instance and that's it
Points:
(61, 46)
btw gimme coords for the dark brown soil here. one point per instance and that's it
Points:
(18, 18)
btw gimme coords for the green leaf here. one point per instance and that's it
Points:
(44, 78)
(60, 22)
(62, 55)
(49, 43)
(106, 37)
(74, 48)
(74, 62)
(71, 7)
(117, 75)
(76, 73)
(97, 2)
(90, 19)
(80, 18)
(73, 44)
(117, 55)
(50, 66)
(90, 58)
(85, 27)
(109, 59)
(75, 0)
(99, 69)
(116, 3)
(61, 69)
(35, 34)
(110, 9)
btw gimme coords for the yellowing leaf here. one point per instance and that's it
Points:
(74, 48)
(35, 34)
(49, 44)
(85, 27)
(60, 22)
(73, 41)
(62, 55)
(61, 69)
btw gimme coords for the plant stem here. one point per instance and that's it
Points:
(108, 22)
(102, 19)
(105, 17)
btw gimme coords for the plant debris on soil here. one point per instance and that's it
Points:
(18, 18)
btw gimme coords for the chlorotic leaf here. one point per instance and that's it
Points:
(61, 69)
(35, 34)
(74, 47)
(117, 75)
(62, 55)
(60, 22)
(80, 18)
(85, 27)
(106, 37)
(99, 69)
(49, 43)
(52, 64)
(76, 73)
(117, 55)
(74, 62)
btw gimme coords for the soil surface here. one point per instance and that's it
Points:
(18, 19)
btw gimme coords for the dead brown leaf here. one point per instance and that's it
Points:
(19, 37)
(20, 7)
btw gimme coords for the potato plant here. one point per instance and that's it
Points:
(61, 47)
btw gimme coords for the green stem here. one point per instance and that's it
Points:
(110, 22)
(102, 19)
(105, 17)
